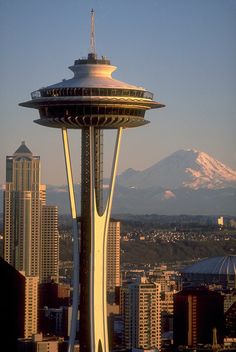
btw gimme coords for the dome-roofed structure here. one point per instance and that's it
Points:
(216, 270)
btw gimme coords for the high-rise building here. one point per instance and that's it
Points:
(141, 311)
(168, 281)
(31, 239)
(196, 313)
(49, 269)
(91, 101)
(113, 259)
(31, 305)
(22, 211)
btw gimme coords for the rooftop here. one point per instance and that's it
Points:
(23, 149)
(224, 265)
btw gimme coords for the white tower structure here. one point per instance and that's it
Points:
(91, 101)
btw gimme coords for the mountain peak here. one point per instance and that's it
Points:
(184, 168)
(186, 151)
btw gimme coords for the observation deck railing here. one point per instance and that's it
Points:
(93, 92)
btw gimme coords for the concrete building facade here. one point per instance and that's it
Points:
(113, 259)
(31, 239)
(22, 210)
(141, 311)
(31, 306)
(49, 269)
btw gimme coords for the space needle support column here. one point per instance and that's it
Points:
(75, 299)
(99, 232)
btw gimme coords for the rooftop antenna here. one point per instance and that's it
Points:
(92, 35)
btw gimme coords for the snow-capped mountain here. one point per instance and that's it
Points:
(186, 182)
(184, 168)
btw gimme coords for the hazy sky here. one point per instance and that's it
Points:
(184, 51)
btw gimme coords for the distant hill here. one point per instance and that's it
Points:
(137, 252)
(179, 201)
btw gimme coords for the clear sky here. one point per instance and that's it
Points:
(184, 51)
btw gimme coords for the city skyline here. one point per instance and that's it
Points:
(186, 58)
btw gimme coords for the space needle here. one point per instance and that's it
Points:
(91, 101)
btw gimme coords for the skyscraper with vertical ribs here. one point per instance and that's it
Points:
(49, 266)
(141, 311)
(92, 101)
(31, 239)
(113, 260)
(22, 211)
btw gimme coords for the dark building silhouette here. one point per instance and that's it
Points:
(196, 312)
(12, 298)
(54, 295)
(54, 301)
(230, 321)
(55, 321)
(115, 331)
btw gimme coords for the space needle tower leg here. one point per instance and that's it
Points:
(98, 259)
(75, 299)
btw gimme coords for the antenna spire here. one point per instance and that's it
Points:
(92, 35)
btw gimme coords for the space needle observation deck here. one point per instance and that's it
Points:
(92, 98)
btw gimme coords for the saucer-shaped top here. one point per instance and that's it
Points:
(92, 98)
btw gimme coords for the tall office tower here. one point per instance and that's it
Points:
(49, 270)
(113, 259)
(31, 305)
(196, 313)
(91, 101)
(22, 211)
(141, 311)
(31, 239)
(43, 194)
